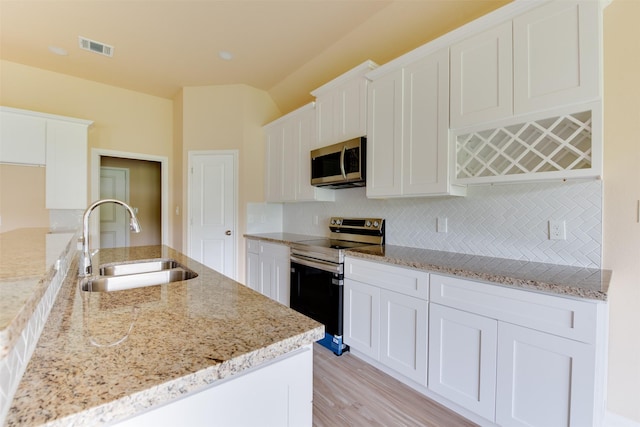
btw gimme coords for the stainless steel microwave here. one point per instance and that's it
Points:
(340, 165)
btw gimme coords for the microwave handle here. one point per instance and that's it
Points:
(344, 173)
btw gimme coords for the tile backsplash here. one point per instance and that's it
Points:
(504, 221)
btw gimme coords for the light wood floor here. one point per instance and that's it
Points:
(350, 392)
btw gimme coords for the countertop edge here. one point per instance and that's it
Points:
(161, 394)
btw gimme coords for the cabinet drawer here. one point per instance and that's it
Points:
(556, 315)
(406, 281)
(274, 249)
(253, 246)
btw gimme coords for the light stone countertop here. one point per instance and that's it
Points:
(534, 276)
(104, 356)
(28, 259)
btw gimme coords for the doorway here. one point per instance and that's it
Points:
(155, 230)
(137, 183)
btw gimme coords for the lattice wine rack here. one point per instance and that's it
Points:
(557, 147)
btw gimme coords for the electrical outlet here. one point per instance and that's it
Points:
(557, 230)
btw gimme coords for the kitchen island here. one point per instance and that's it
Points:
(104, 357)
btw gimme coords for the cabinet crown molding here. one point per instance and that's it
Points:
(84, 122)
(358, 71)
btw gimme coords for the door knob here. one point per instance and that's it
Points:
(228, 232)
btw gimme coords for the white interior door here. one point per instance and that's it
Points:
(212, 210)
(114, 229)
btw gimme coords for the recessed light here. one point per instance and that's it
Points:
(58, 50)
(227, 56)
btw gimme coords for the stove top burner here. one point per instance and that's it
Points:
(346, 233)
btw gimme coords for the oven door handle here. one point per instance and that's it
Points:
(320, 265)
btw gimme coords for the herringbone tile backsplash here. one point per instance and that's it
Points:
(504, 221)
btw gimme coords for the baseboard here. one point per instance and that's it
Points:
(612, 419)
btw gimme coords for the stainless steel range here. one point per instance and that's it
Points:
(317, 273)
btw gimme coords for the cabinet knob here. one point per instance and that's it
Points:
(228, 232)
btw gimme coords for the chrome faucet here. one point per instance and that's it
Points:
(84, 264)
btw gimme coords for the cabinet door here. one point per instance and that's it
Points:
(462, 358)
(556, 55)
(341, 113)
(274, 140)
(280, 290)
(362, 317)
(253, 271)
(274, 272)
(66, 169)
(481, 77)
(543, 380)
(384, 136)
(22, 138)
(425, 152)
(306, 140)
(403, 334)
(280, 167)
(325, 110)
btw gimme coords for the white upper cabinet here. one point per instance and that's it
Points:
(57, 142)
(545, 58)
(341, 106)
(289, 141)
(66, 169)
(22, 138)
(556, 53)
(482, 77)
(407, 138)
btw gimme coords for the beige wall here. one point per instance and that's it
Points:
(228, 118)
(22, 197)
(621, 195)
(124, 120)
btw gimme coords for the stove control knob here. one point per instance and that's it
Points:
(333, 221)
(367, 224)
(338, 221)
(376, 224)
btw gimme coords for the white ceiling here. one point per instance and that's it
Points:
(287, 48)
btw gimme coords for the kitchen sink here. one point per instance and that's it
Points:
(136, 267)
(131, 275)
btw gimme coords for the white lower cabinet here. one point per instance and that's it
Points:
(362, 317)
(385, 317)
(462, 358)
(544, 380)
(268, 269)
(403, 334)
(517, 358)
(278, 394)
(496, 354)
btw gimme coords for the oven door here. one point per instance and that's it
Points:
(317, 291)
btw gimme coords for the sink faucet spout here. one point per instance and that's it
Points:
(84, 266)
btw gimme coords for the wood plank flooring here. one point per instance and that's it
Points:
(350, 392)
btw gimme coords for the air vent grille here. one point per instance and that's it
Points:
(94, 46)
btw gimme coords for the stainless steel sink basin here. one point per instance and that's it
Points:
(131, 275)
(136, 267)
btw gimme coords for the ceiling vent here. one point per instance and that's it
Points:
(94, 46)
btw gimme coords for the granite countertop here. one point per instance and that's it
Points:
(28, 259)
(104, 356)
(542, 277)
(283, 238)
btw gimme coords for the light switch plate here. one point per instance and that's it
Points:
(441, 224)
